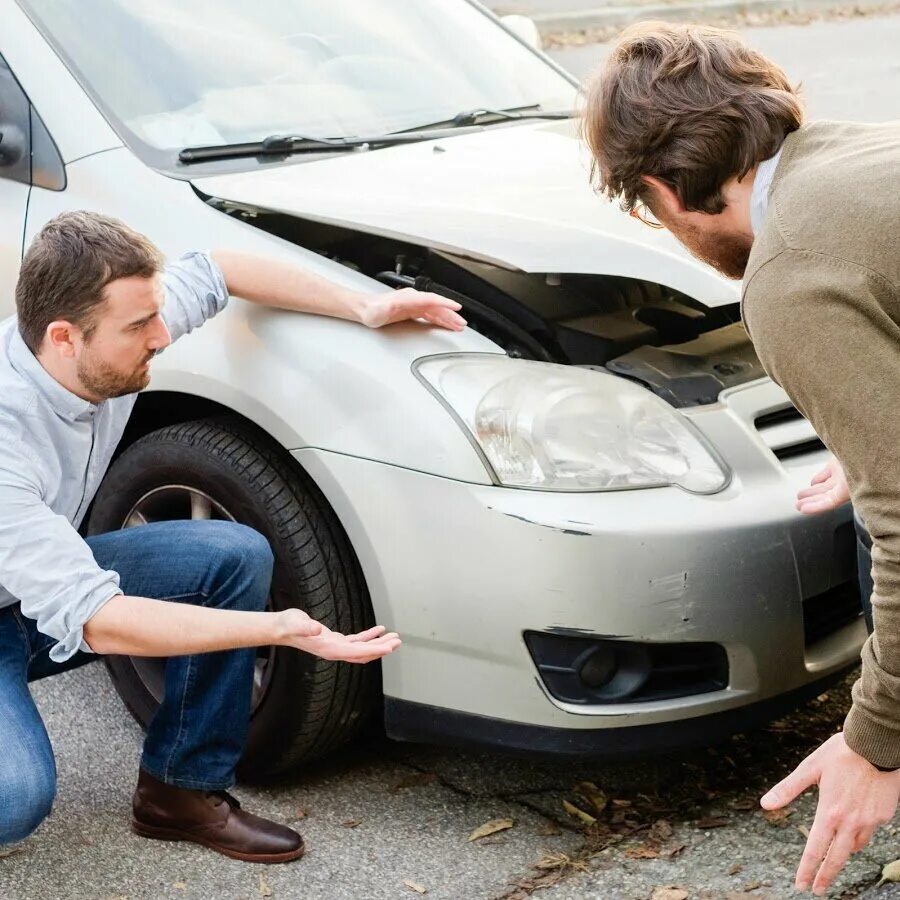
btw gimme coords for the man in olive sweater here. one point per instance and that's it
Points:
(694, 132)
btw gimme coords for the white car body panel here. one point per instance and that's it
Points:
(309, 381)
(447, 194)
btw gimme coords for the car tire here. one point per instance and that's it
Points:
(304, 706)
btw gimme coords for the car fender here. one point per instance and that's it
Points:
(310, 381)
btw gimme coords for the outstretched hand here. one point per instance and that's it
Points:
(828, 490)
(304, 633)
(408, 303)
(855, 798)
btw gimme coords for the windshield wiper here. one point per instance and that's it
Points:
(485, 116)
(287, 144)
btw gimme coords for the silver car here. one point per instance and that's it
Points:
(579, 513)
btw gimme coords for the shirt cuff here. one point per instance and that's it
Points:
(877, 743)
(73, 641)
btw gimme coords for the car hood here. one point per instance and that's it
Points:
(518, 196)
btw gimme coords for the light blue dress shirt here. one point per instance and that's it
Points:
(55, 448)
(759, 195)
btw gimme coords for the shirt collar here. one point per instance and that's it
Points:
(62, 400)
(762, 182)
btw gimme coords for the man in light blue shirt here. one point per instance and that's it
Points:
(94, 305)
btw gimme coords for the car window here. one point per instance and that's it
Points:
(176, 73)
(15, 128)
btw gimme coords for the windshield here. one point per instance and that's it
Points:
(177, 73)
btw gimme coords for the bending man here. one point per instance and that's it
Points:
(689, 126)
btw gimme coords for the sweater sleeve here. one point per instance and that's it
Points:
(827, 331)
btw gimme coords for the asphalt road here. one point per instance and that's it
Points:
(846, 69)
(384, 815)
(384, 820)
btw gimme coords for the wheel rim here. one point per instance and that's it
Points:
(180, 501)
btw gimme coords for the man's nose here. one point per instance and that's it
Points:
(161, 337)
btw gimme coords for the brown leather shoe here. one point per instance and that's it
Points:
(211, 818)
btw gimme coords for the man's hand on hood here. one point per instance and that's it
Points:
(408, 303)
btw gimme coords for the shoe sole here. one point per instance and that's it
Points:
(158, 833)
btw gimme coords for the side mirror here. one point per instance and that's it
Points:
(524, 29)
(13, 144)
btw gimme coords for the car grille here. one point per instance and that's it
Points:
(786, 433)
(827, 613)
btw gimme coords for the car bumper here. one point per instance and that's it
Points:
(463, 571)
(418, 723)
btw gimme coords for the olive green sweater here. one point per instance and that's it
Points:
(821, 301)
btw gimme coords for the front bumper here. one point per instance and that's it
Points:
(464, 571)
(418, 723)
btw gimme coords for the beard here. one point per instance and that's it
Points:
(728, 253)
(105, 382)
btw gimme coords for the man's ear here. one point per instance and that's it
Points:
(60, 338)
(665, 194)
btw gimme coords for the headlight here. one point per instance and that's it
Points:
(560, 428)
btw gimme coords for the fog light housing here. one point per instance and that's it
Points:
(585, 670)
(596, 667)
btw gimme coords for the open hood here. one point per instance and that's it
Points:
(517, 196)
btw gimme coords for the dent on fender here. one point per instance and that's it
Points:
(552, 527)
(569, 631)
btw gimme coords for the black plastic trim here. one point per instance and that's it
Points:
(638, 671)
(421, 723)
(47, 168)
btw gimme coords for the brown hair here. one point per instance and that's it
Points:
(690, 104)
(69, 263)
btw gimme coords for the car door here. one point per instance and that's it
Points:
(28, 158)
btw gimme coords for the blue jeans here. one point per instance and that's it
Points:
(198, 734)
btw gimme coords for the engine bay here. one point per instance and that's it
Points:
(678, 348)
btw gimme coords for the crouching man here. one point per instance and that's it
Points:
(94, 305)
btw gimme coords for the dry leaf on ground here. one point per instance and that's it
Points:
(713, 822)
(777, 817)
(549, 829)
(594, 795)
(669, 893)
(643, 851)
(660, 831)
(672, 850)
(573, 810)
(351, 823)
(891, 872)
(491, 827)
(179, 886)
(264, 889)
(560, 860)
(803, 830)
(415, 886)
(736, 869)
